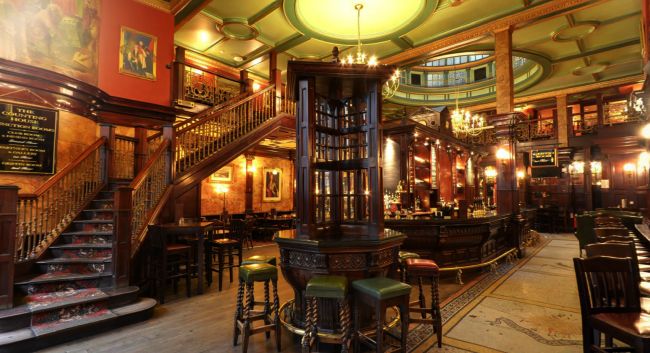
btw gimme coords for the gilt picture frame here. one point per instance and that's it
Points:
(137, 54)
(223, 175)
(272, 185)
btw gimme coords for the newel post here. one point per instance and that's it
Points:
(122, 236)
(108, 131)
(141, 148)
(168, 134)
(8, 220)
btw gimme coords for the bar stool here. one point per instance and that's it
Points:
(245, 314)
(403, 256)
(381, 293)
(423, 268)
(168, 257)
(330, 287)
(259, 259)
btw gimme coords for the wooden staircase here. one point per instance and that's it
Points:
(76, 236)
(72, 290)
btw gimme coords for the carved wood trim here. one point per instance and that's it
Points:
(463, 38)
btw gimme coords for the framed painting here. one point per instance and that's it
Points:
(222, 175)
(271, 190)
(137, 54)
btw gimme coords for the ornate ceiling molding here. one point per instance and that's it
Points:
(463, 38)
(157, 4)
(566, 91)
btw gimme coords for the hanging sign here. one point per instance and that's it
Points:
(543, 158)
(27, 139)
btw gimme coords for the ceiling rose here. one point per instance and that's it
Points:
(577, 31)
(238, 28)
(590, 70)
(335, 21)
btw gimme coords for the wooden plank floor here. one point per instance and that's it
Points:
(202, 323)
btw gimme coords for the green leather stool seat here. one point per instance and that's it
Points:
(382, 287)
(259, 259)
(327, 287)
(403, 255)
(257, 273)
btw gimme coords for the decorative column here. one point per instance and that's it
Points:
(504, 80)
(275, 78)
(178, 76)
(249, 183)
(562, 121)
(506, 154)
(245, 83)
(589, 204)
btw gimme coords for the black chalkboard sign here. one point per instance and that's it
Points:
(27, 139)
(543, 158)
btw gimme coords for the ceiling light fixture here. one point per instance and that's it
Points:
(463, 123)
(391, 86)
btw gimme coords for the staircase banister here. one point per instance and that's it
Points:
(60, 174)
(228, 107)
(207, 112)
(137, 181)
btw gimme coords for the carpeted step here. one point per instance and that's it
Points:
(77, 316)
(60, 282)
(102, 203)
(24, 339)
(97, 213)
(78, 265)
(82, 250)
(101, 225)
(50, 301)
(87, 237)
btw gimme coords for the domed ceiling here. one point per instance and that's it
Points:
(568, 43)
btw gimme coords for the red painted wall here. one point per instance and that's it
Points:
(142, 18)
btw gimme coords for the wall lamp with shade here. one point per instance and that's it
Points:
(645, 131)
(503, 153)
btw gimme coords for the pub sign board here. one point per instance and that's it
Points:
(543, 158)
(27, 139)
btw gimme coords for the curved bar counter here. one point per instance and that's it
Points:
(458, 242)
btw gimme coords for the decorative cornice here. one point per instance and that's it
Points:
(477, 33)
(565, 91)
(68, 94)
(157, 4)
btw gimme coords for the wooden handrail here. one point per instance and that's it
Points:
(201, 115)
(229, 107)
(137, 181)
(43, 215)
(63, 172)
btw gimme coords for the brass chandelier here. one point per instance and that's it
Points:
(463, 123)
(390, 87)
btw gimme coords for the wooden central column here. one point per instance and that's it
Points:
(504, 79)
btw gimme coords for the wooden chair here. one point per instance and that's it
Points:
(621, 238)
(607, 231)
(222, 246)
(608, 221)
(169, 256)
(610, 304)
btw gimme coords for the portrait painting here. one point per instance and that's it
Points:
(137, 54)
(222, 175)
(271, 190)
(56, 35)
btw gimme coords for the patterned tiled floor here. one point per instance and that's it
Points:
(533, 307)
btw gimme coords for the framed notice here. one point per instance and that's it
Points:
(27, 139)
(543, 158)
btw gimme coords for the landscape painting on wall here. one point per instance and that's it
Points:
(272, 187)
(222, 175)
(137, 54)
(57, 35)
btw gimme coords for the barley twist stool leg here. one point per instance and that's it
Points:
(247, 320)
(306, 338)
(435, 309)
(423, 303)
(276, 318)
(267, 307)
(238, 311)
(344, 313)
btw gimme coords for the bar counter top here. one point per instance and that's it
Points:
(458, 241)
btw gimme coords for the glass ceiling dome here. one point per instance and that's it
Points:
(470, 76)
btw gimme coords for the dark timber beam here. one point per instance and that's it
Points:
(191, 9)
